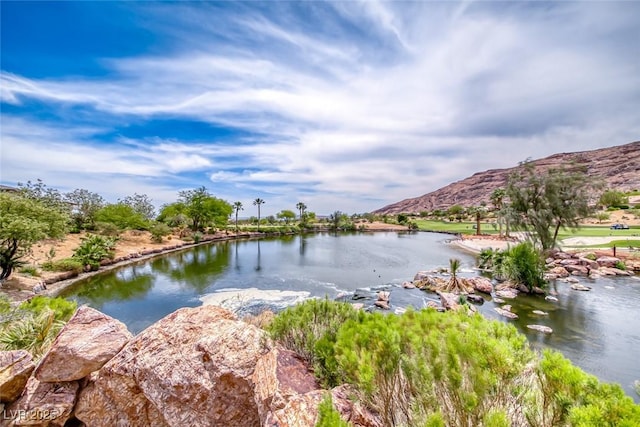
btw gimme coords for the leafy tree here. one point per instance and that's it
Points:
(456, 211)
(141, 204)
(286, 215)
(602, 216)
(335, 219)
(545, 202)
(174, 214)
(613, 198)
(23, 222)
(237, 207)
(40, 192)
(202, 208)
(258, 202)
(123, 216)
(84, 206)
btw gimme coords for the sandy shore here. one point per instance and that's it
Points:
(475, 244)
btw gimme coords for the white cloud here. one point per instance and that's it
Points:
(430, 93)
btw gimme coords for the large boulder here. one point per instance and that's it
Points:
(577, 270)
(279, 375)
(449, 301)
(608, 261)
(481, 284)
(42, 404)
(15, 368)
(194, 367)
(88, 341)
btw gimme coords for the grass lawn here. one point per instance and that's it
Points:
(598, 231)
(467, 227)
(454, 227)
(622, 244)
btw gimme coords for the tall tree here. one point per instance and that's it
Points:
(237, 207)
(286, 215)
(497, 199)
(202, 208)
(84, 206)
(301, 208)
(142, 204)
(48, 196)
(545, 202)
(23, 222)
(258, 202)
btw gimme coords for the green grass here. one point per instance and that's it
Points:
(464, 227)
(598, 231)
(618, 244)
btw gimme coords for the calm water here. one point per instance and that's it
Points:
(597, 330)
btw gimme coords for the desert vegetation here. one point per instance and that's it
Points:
(446, 369)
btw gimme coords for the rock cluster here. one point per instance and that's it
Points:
(563, 265)
(197, 366)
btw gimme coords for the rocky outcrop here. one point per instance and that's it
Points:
(193, 367)
(197, 366)
(563, 264)
(449, 300)
(88, 341)
(280, 375)
(15, 368)
(481, 284)
(43, 404)
(618, 166)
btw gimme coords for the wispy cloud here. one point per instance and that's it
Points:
(350, 105)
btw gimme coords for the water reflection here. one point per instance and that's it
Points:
(196, 268)
(134, 282)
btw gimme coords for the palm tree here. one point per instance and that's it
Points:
(497, 198)
(237, 206)
(257, 202)
(455, 285)
(301, 207)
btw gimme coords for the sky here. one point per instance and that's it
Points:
(341, 105)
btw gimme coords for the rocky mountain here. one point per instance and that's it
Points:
(618, 166)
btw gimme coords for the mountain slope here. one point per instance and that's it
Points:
(618, 166)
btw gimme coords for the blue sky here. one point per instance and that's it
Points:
(341, 105)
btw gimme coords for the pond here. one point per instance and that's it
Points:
(597, 330)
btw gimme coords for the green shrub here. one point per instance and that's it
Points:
(34, 324)
(521, 263)
(197, 236)
(32, 333)
(62, 308)
(94, 249)
(107, 229)
(410, 367)
(31, 270)
(66, 264)
(328, 416)
(620, 265)
(158, 231)
(566, 394)
(309, 329)
(5, 304)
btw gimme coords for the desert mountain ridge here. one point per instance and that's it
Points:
(618, 166)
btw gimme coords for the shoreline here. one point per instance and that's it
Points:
(57, 284)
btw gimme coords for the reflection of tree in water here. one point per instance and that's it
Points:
(196, 268)
(303, 245)
(258, 266)
(131, 282)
